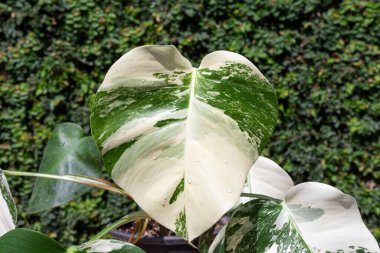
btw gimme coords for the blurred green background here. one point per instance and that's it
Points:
(321, 56)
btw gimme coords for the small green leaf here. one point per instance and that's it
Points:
(68, 152)
(22, 240)
(267, 178)
(8, 211)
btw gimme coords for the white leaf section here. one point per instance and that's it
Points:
(6, 219)
(328, 219)
(220, 158)
(267, 178)
(140, 63)
(217, 59)
(6, 222)
(107, 246)
(140, 126)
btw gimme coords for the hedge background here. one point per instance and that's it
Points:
(321, 56)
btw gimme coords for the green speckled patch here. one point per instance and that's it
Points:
(259, 225)
(262, 225)
(242, 95)
(180, 225)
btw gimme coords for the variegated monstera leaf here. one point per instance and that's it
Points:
(8, 212)
(180, 139)
(309, 217)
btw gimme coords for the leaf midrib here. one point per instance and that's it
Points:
(294, 223)
(190, 110)
(188, 126)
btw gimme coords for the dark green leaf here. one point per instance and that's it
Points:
(28, 241)
(68, 151)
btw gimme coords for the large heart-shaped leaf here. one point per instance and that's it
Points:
(8, 211)
(68, 152)
(310, 217)
(179, 139)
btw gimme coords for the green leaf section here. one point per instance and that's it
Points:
(179, 189)
(69, 151)
(254, 105)
(113, 155)
(27, 241)
(180, 225)
(261, 224)
(5, 192)
(112, 109)
(244, 96)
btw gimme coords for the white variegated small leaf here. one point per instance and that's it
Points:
(267, 178)
(106, 246)
(8, 212)
(309, 217)
(181, 140)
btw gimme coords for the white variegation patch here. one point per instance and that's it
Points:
(267, 178)
(138, 127)
(140, 63)
(337, 226)
(106, 246)
(216, 59)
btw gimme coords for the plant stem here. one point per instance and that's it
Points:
(95, 182)
(259, 196)
(142, 231)
(128, 218)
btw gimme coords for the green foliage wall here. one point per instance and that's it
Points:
(321, 56)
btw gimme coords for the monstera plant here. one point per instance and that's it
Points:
(183, 143)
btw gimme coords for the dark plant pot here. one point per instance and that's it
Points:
(161, 244)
